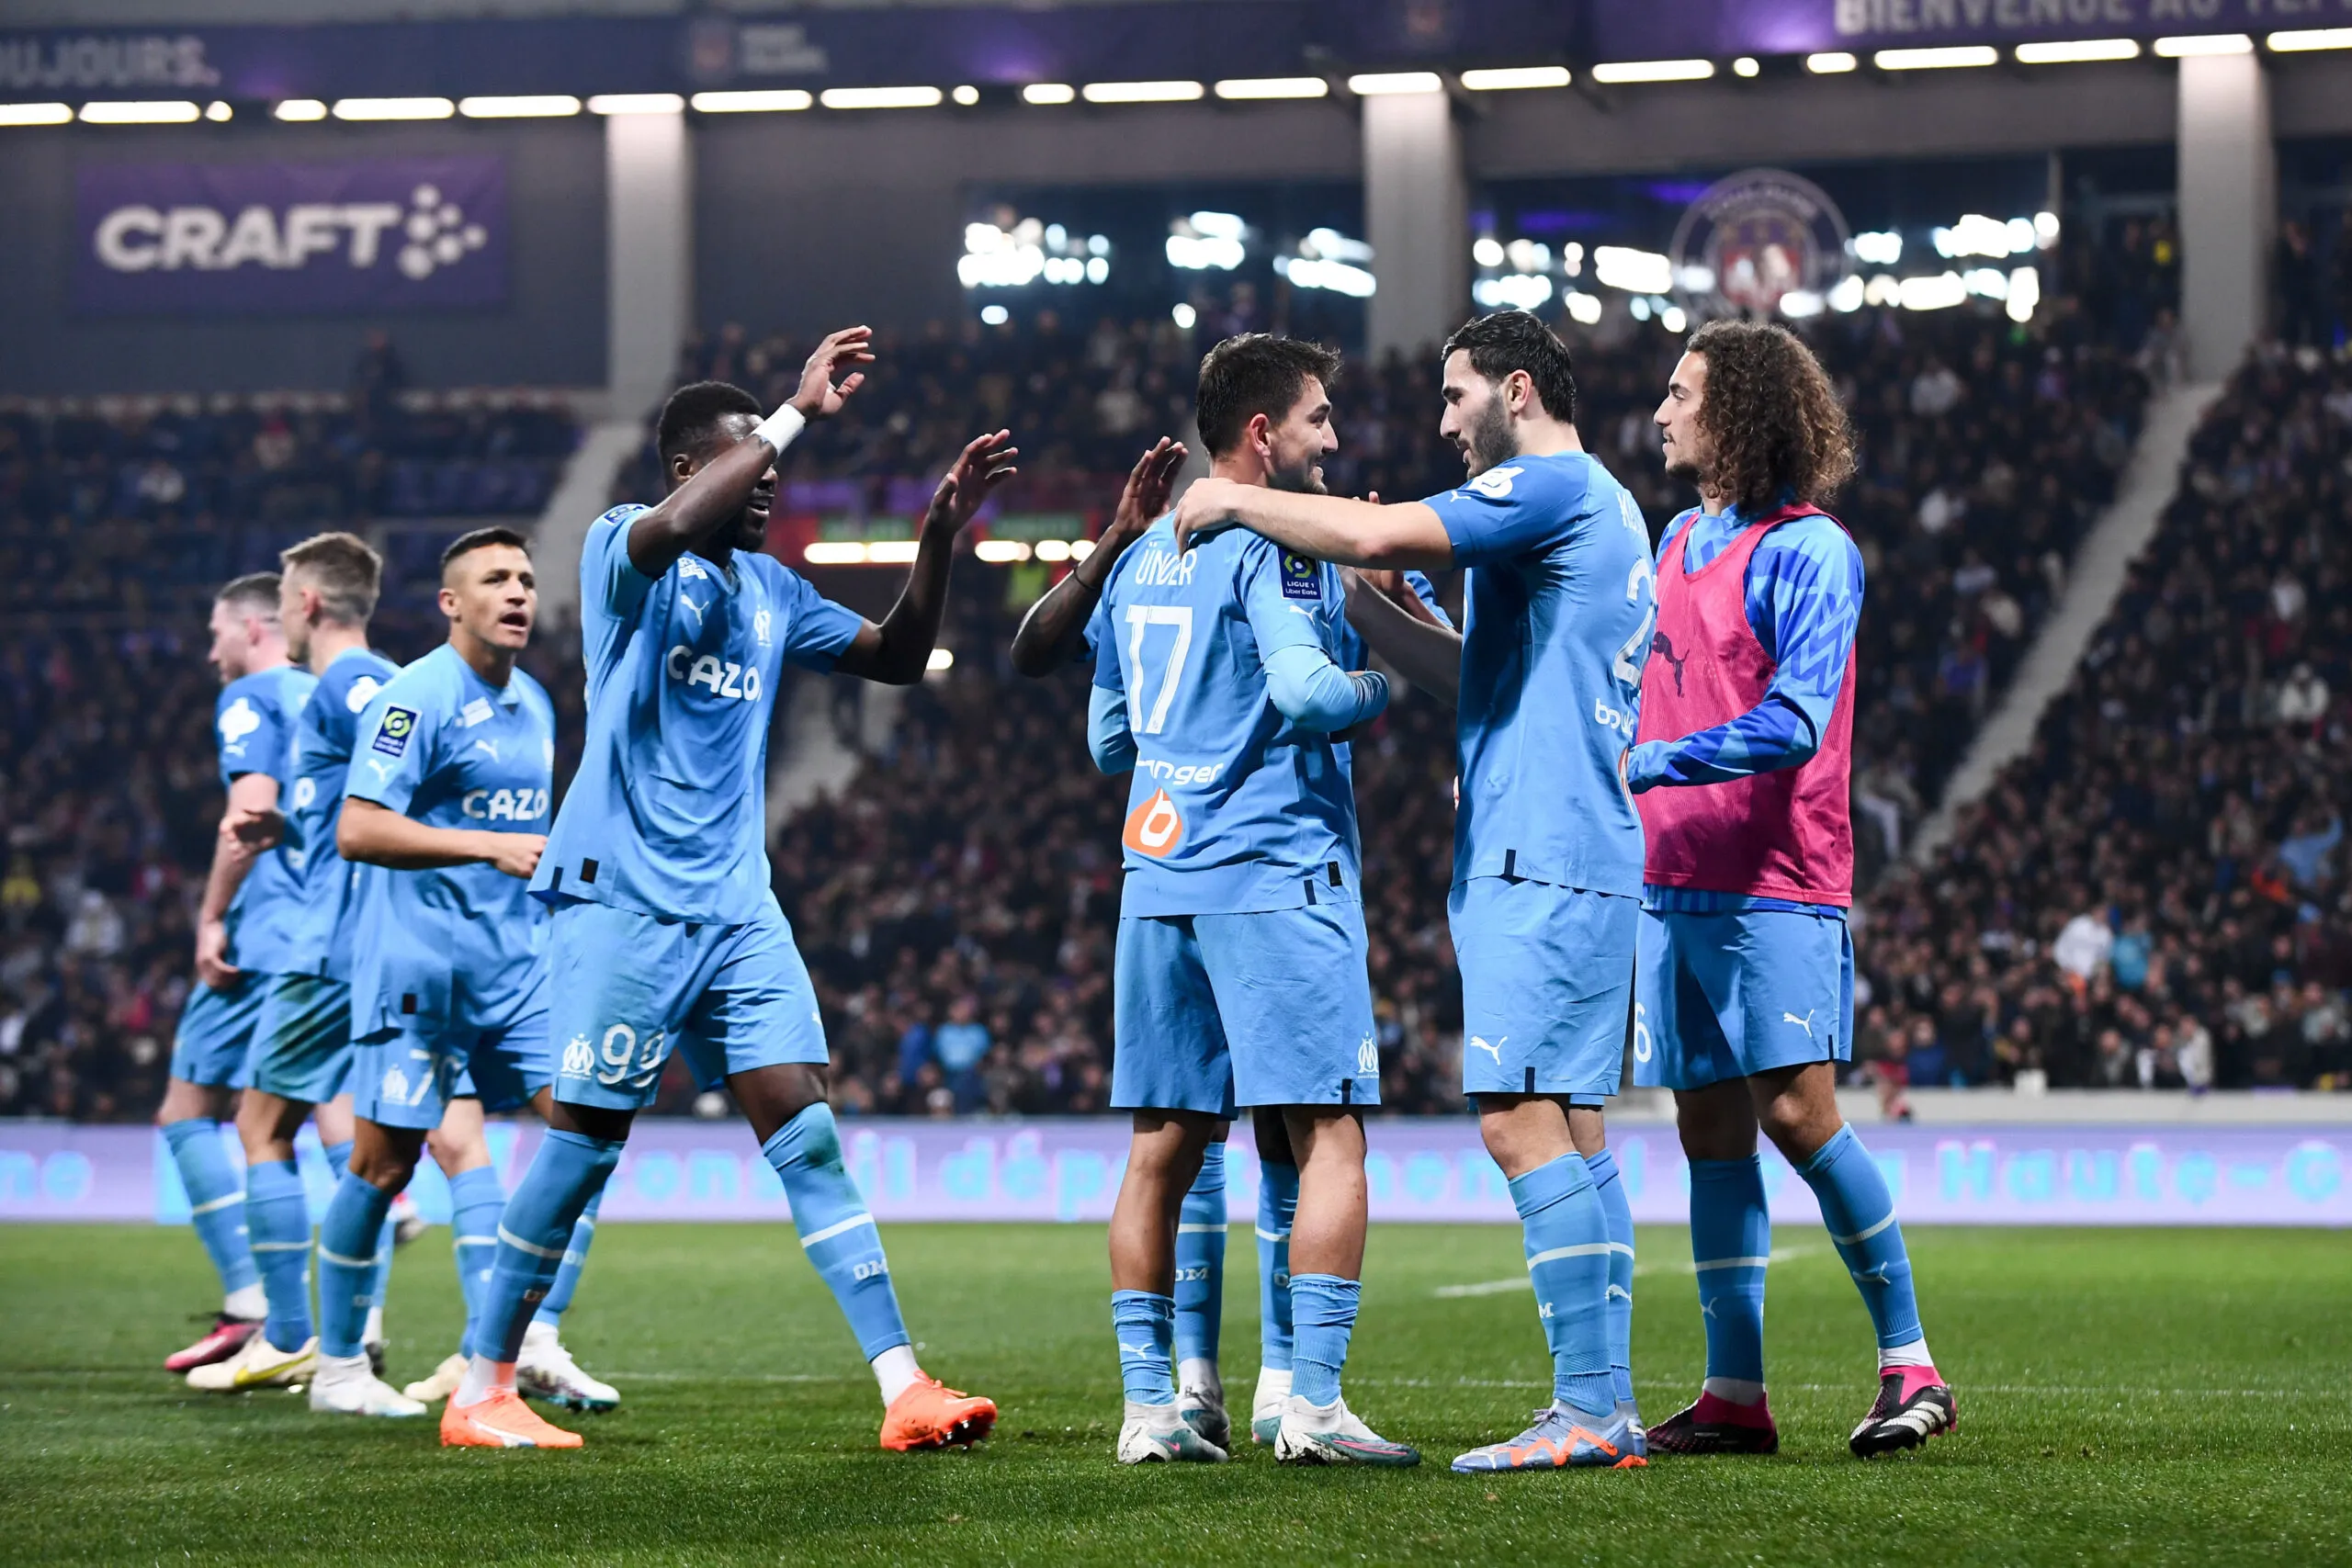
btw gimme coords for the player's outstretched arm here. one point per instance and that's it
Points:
(1327, 527)
(375, 834)
(245, 831)
(1052, 633)
(1424, 652)
(898, 651)
(716, 495)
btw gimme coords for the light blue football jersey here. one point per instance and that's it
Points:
(321, 941)
(1232, 808)
(454, 945)
(253, 721)
(668, 813)
(1558, 614)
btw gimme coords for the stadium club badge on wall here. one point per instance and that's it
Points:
(1759, 242)
(234, 239)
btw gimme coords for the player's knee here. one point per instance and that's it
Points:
(386, 1169)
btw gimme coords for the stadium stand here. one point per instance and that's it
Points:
(2154, 896)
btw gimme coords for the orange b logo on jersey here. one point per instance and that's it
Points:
(1154, 828)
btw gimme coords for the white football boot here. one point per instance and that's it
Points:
(441, 1383)
(546, 1370)
(1158, 1434)
(1266, 1404)
(344, 1385)
(259, 1365)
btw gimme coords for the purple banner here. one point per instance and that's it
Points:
(1418, 1170)
(369, 235)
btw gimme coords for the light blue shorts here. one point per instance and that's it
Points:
(624, 990)
(408, 1079)
(303, 1040)
(1547, 981)
(1723, 997)
(1212, 1011)
(214, 1045)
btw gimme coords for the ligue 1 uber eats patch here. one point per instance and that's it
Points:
(391, 736)
(1301, 578)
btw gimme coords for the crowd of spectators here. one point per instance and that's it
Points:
(2156, 894)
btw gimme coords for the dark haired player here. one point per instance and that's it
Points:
(444, 818)
(1240, 975)
(1546, 678)
(1746, 980)
(664, 932)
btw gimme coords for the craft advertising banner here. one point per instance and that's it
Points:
(361, 236)
(1432, 1170)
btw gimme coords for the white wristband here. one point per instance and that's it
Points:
(779, 429)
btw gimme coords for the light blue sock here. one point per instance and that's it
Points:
(1200, 1262)
(350, 1239)
(1277, 1208)
(1619, 1212)
(1145, 1322)
(1731, 1239)
(836, 1231)
(1567, 1262)
(216, 1202)
(1325, 1309)
(278, 1219)
(569, 1169)
(575, 1258)
(476, 1201)
(380, 1275)
(1859, 1213)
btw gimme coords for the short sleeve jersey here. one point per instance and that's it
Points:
(454, 944)
(253, 725)
(322, 939)
(1232, 808)
(1558, 611)
(668, 815)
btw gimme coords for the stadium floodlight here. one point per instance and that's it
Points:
(942, 660)
(1516, 78)
(393, 108)
(1385, 83)
(1039, 93)
(35, 114)
(1879, 247)
(967, 94)
(2079, 52)
(1183, 315)
(1939, 292)
(636, 103)
(1746, 65)
(2025, 293)
(1635, 272)
(2304, 40)
(1002, 552)
(162, 111)
(890, 552)
(1251, 88)
(769, 100)
(1953, 57)
(298, 109)
(1831, 62)
(217, 111)
(833, 552)
(1583, 308)
(2194, 44)
(1624, 71)
(879, 97)
(1142, 92)
(535, 106)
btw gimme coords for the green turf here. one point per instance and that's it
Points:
(2127, 1397)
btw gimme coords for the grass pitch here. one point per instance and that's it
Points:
(2125, 1397)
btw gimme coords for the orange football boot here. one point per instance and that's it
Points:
(499, 1420)
(930, 1415)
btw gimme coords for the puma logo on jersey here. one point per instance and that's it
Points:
(1495, 1050)
(689, 603)
(724, 677)
(1804, 1023)
(1156, 828)
(1663, 647)
(237, 721)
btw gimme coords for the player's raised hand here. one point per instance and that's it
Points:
(980, 469)
(1206, 510)
(821, 397)
(517, 854)
(1146, 497)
